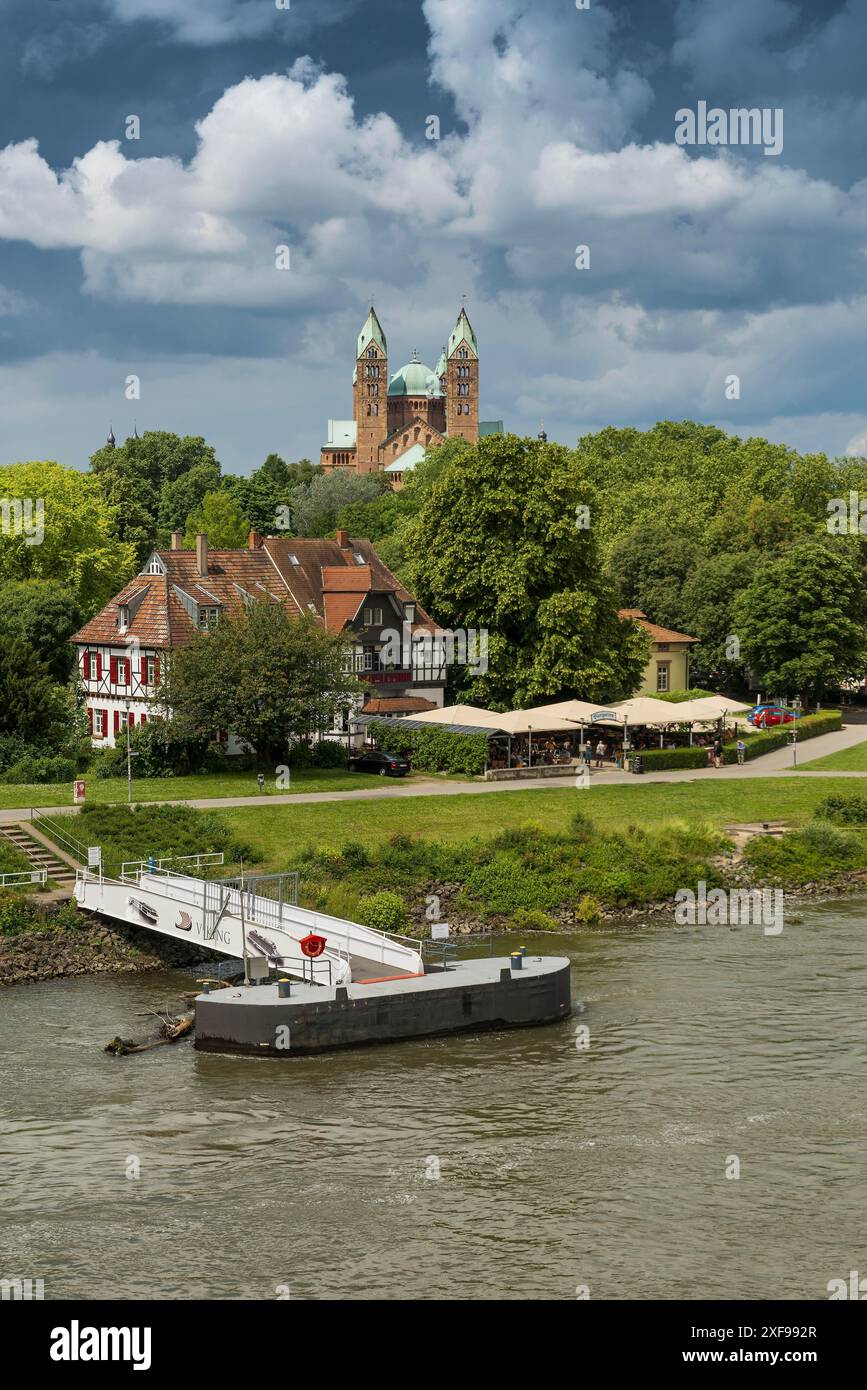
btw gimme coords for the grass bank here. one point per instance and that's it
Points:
(278, 834)
(852, 759)
(113, 790)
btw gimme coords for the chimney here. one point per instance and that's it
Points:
(254, 540)
(202, 555)
(177, 540)
(343, 540)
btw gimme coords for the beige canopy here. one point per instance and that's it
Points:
(564, 717)
(461, 714)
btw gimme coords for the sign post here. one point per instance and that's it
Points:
(78, 790)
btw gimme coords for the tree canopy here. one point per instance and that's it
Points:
(220, 518)
(264, 675)
(501, 544)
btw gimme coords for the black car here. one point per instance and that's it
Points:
(386, 764)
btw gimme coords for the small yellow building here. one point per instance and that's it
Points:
(668, 667)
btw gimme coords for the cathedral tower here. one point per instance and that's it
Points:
(462, 382)
(370, 393)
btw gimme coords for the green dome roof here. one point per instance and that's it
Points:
(415, 379)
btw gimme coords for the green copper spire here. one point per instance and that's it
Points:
(371, 333)
(463, 331)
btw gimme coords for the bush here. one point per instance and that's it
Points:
(36, 768)
(842, 810)
(433, 749)
(810, 726)
(661, 759)
(329, 753)
(133, 833)
(384, 911)
(533, 919)
(355, 855)
(589, 909)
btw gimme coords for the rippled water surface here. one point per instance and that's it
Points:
(558, 1166)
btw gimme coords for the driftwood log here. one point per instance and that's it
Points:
(171, 1029)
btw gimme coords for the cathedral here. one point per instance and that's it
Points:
(396, 420)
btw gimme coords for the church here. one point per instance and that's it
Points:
(397, 419)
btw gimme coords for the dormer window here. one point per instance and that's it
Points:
(208, 617)
(293, 559)
(155, 567)
(409, 610)
(358, 557)
(123, 617)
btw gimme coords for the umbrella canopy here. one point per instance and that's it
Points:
(707, 710)
(643, 709)
(564, 717)
(461, 714)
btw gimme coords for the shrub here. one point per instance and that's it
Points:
(384, 911)
(433, 749)
(533, 919)
(355, 855)
(37, 768)
(810, 726)
(589, 909)
(660, 759)
(842, 810)
(328, 753)
(805, 855)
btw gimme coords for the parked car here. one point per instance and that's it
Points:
(373, 760)
(766, 716)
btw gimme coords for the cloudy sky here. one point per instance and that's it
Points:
(306, 126)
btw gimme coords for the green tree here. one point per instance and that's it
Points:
(802, 621)
(78, 543)
(269, 495)
(153, 482)
(31, 704)
(500, 545)
(44, 613)
(319, 503)
(221, 520)
(264, 675)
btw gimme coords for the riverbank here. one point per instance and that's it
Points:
(90, 946)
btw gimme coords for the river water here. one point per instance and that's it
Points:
(515, 1165)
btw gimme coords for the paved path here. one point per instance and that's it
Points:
(776, 764)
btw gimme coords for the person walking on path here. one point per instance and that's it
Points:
(717, 751)
(600, 753)
(742, 750)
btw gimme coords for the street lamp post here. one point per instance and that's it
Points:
(129, 756)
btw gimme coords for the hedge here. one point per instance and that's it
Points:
(433, 749)
(810, 726)
(661, 759)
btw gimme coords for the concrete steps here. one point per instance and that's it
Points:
(39, 855)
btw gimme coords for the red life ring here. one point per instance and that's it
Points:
(312, 945)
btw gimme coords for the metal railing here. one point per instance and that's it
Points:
(212, 860)
(53, 830)
(15, 880)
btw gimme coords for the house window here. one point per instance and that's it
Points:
(373, 617)
(359, 659)
(122, 671)
(662, 670)
(123, 617)
(155, 567)
(208, 618)
(409, 609)
(99, 723)
(368, 659)
(151, 670)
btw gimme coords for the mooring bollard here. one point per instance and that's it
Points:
(284, 988)
(517, 960)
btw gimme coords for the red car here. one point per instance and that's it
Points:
(766, 716)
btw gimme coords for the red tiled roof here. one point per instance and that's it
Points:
(399, 704)
(659, 634)
(327, 580)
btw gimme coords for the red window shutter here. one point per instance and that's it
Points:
(143, 673)
(116, 720)
(156, 670)
(90, 719)
(144, 719)
(131, 720)
(86, 666)
(105, 723)
(98, 659)
(112, 668)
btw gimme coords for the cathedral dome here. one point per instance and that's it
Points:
(415, 379)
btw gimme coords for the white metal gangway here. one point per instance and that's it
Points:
(239, 922)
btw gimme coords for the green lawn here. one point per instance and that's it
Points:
(852, 759)
(277, 833)
(113, 789)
